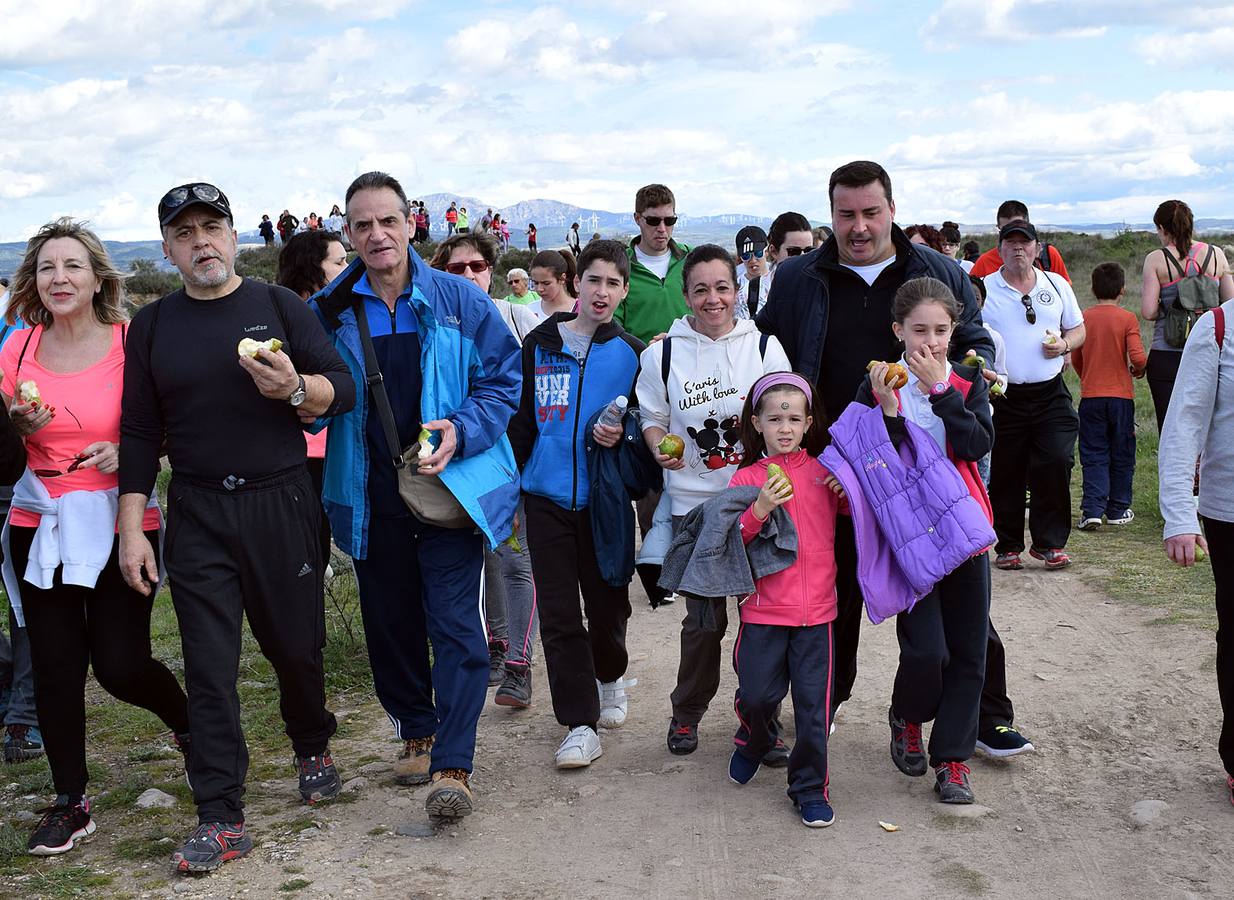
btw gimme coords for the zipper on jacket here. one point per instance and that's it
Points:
(393, 311)
(582, 367)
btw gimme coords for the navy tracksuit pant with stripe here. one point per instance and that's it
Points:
(770, 661)
(421, 584)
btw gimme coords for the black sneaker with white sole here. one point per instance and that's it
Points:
(61, 826)
(1001, 741)
(319, 780)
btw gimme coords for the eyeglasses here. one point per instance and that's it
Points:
(177, 197)
(745, 257)
(796, 251)
(75, 463)
(458, 268)
(654, 221)
(1030, 314)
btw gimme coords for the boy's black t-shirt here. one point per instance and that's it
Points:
(183, 383)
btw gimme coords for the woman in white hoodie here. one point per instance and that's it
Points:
(692, 384)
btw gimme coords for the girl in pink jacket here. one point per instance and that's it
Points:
(785, 638)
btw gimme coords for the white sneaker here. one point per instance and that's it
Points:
(1125, 519)
(613, 701)
(580, 748)
(1090, 523)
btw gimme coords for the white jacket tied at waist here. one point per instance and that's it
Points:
(76, 531)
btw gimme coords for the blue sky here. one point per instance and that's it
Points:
(1088, 110)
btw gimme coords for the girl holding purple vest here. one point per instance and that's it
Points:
(943, 637)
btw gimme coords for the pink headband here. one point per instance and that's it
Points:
(776, 379)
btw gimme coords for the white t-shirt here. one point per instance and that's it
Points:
(869, 274)
(1057, 310)
(916, 407)
(657, 264)
(966, 265)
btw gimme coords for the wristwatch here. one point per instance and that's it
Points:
(298, 395)
(939, 388)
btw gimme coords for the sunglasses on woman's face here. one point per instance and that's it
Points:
(797, 251)
(458, 268)
(1030, 314)
(654, 221)
(745, 257)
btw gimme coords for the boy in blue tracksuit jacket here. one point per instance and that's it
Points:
(574, 365)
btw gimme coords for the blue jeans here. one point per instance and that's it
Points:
(1107, 455)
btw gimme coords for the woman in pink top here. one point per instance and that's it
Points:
(307, 263)
(62, 385)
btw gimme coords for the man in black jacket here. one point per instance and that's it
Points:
(831, 310)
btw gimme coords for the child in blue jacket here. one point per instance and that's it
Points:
(575, 364)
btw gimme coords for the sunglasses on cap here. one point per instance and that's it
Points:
(796, 251)
(187, 194)
(654, 221)
(745, 257)
(458, 268)
(1030, 314)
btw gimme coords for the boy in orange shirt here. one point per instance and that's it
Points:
(1112, 353)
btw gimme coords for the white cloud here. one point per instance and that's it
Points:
(1176, 51)
(1017, 21)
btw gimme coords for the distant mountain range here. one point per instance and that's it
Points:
(553, 218)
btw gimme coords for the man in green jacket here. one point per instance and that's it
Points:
(656, 296)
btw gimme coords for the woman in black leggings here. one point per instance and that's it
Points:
(61, 385)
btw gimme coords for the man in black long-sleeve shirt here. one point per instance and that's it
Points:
(243, 518)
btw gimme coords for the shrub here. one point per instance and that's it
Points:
(148, 279)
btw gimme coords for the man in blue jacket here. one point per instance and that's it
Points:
(449, 365)
(831, 311)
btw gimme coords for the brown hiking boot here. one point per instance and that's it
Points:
(450, 797)
(412, 764)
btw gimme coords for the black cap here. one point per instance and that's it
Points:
(750, 238)
(178, 199)
(1018, 226)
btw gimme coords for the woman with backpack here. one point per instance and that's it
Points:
(1183, 273)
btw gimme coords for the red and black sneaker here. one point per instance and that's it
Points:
(62, 825)
(951, 783)
(682, 738)
(211, 845)
(906, 750)
(319, 780)
(1053, 559)
(1010, 562)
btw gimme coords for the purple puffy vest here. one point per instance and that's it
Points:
(924, 510)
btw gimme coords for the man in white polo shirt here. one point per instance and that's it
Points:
(1035, 424)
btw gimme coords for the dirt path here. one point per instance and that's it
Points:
(1121, 711)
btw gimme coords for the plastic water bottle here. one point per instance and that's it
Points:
(614, 413)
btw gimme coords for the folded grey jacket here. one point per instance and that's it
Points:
(707, 557)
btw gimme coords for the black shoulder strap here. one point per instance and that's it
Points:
(753, 293)
(666, 360)
(1208, 257)
(22, 355)
(278, 310)
(377, 387)
(1182, 273)
(762, 345)
(1043, 258)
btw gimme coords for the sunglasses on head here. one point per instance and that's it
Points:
(458, 268)
(796, 251)
(654, 221)
(745, 257)
(201, 191)
(1030, 314)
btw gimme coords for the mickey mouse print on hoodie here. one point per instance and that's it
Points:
(706, 387)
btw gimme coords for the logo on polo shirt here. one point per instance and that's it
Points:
(1044, 298)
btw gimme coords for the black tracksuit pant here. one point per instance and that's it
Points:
(850, 607)
(942, 660)
(106, 627)
(254, 550)
(771, 660)
(1035, 428)
(1220, 537)
(563, 560)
